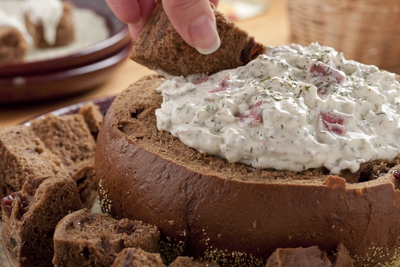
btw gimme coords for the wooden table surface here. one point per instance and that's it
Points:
(270, 28)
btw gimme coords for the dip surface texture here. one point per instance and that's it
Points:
(294, 108)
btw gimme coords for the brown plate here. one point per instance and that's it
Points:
(103, 102)
(57, 84)
(75, 73)
(118, 38)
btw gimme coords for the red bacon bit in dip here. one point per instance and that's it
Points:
(259, 103)
(224, 85)
(323, 76)
(334, 123)
(253, 115)
(201, 80)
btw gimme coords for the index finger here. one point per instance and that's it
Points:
(133, 12)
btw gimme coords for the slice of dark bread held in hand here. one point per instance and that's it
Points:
(160, 47)
(87, 239)
(29, 220)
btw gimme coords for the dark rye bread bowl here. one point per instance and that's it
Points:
(233, 213)
(160, 47)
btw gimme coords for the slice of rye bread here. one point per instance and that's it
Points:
(136, 257)
(160, 47)
(13, 46)
(87, 239)
(29, 220)
(311, 256)
(69, 138)
(92, 115)
(65, 30)
(342, 257)
(191, 262)
(24, 156)
(234, 213)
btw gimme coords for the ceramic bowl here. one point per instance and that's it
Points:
(71, 74)
(61, 83)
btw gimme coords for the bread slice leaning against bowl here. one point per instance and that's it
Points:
(230, 212)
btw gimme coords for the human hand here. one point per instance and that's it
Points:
(194, 20)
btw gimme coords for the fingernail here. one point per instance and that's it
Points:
(135, 29)
(204, 35)
(137, 24)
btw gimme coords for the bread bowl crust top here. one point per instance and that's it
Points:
(217, 210)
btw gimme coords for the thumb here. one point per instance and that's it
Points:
(194, 20)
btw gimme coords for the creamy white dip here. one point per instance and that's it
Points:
(294, 108)
(45, 12)
(10, 21)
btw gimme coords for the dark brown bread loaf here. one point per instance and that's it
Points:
(87, 239)
(136, 257)
(306, 257)
(65, 30)
(159, 46)
(24, 156)
(13, 46)
(29, 220)
(233, 213)
(69, 138)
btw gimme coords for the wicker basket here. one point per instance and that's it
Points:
(364, 30)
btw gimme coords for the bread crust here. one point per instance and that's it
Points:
(224, 216)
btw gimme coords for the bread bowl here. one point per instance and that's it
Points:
(231, 212)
